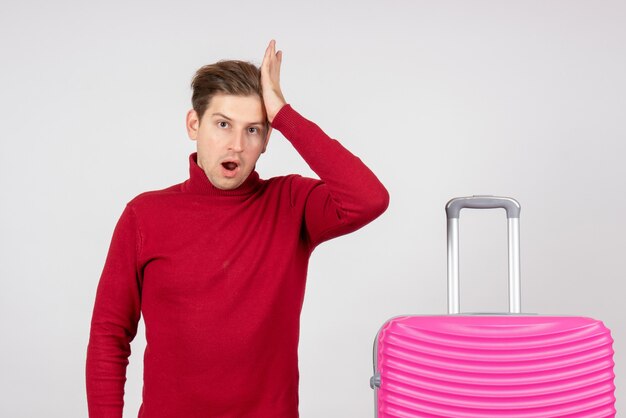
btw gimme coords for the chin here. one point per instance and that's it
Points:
(229, 185)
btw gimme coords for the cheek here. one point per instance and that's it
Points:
(218, 135)
(213, 138)
(255, 148)
(256, 142)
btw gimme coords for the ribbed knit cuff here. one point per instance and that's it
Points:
(287, 121)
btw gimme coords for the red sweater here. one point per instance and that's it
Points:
(219, 277)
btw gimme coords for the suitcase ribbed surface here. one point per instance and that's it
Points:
(495, 366)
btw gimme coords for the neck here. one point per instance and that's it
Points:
(199, 183)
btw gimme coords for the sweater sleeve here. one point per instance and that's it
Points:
(348, 196)
(114, 321)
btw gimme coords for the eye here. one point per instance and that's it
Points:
(253, 130)
(222, 124)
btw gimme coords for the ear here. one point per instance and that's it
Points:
(192, 124)
(267, 139)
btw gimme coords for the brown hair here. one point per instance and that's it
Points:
(234, 77)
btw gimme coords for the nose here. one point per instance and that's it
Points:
(237, 142)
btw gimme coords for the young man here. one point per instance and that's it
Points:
(217, 264)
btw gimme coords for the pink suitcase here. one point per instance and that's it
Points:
(492, 365)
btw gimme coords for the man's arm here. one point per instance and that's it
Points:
(114, 321)
(349, 195)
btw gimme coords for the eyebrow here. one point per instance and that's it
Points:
(221, 115)
(230, 119)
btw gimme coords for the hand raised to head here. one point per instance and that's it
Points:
(270, 81)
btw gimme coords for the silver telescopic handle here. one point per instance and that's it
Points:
(453, 209)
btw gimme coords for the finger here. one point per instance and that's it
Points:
(268, 55)
(279, 59)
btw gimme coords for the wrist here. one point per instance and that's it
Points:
(286, 121)
(274, 109)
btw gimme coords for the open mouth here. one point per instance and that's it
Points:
(230, 169)
(230, 165)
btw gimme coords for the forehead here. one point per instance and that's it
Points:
(244, 109)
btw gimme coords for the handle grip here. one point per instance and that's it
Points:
(453, 209)
(454, 206)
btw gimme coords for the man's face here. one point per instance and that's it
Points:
(230, 138)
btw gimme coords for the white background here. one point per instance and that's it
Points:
(440, 98)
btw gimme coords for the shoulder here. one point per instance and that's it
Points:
(151, 198)
(294, 186)
(292, 182)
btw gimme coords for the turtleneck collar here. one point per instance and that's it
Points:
(199, 183)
